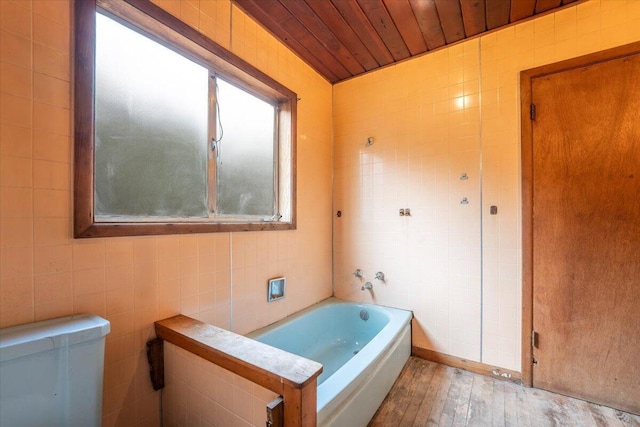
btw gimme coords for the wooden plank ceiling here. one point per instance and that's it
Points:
(345, 38)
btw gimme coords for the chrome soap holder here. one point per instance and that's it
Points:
(275, 289)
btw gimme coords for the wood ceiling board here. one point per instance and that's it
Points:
(278, 13)
(451, 20)
(427, 16)
(327, 12)
(323, 34)
(344, 38)
(498, 12)
(385, 27)
(521, 9)
(263, 17)
(544, 5)
(355, 17)
(473, 16)
(405, 21)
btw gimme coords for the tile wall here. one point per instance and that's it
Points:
(425, 120)
(218, 278)
(433, 118)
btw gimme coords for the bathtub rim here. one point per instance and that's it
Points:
(369, 355)
(332, 300)
(370, 388)
(351, 373)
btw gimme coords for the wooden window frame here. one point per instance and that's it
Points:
(169, 30)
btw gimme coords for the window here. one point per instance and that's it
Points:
(245, 178)
(174, 134)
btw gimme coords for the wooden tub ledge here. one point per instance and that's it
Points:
(293, 377)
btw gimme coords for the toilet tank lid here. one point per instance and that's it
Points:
(22, 340)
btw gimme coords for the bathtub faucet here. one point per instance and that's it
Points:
(367, 285)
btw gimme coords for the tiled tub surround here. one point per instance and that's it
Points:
(362, 348)
(433, 118)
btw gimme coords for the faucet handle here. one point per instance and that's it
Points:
(358, 273)
(380, 275)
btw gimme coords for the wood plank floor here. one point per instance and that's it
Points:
(430, 394)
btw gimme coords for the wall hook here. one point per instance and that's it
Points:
(369, 141)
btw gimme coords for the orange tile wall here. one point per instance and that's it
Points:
(218, 278)
(433, 118)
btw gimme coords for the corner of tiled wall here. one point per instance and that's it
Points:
(218, 278)
(463, 286)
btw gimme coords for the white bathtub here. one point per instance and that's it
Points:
(361, 358)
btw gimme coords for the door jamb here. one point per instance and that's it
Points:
(526, 98)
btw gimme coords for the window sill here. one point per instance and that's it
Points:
(156, 228)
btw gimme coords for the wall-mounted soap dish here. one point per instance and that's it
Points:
(275, 290)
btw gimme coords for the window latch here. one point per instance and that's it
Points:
(215, 148)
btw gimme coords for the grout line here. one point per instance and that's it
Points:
(333, 190)
(481, 199)
(231, 282)
(33, 217)
(231, 27)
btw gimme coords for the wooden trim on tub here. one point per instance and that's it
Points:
(467, 365)
(526, 100)
(293, 377)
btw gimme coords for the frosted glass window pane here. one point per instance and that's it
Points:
(151, 127)
(245, 170)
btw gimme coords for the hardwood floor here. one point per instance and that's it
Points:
(430, 394)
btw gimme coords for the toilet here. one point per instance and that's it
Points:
(51, 372)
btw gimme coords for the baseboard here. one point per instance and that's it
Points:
(467, 365)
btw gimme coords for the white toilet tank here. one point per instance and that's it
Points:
(51, 372)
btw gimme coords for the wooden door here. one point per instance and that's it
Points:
(586, 232)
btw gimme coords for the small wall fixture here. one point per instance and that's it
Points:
(369, 141)
(276, 289)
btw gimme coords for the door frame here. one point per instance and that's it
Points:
(526, 129)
